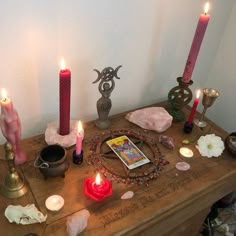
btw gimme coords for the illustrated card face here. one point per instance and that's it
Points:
(127, 151)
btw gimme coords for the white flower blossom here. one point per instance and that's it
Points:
(210, 145)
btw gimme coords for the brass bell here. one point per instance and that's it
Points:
(13, 185)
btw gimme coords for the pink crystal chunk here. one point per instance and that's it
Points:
(151, 118)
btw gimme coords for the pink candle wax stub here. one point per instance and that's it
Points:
(65, 89)
(196, 44)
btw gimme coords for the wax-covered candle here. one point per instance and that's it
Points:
(54, 203)
(97, 189)
(65, 90)
(194, 107)
(196, 44)
(79, 138)
(11, 127)
(186, 152)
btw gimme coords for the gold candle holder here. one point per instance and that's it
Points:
(209, 97)
(13, 185)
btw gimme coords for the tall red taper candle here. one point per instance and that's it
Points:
(194, 108)
(65, 85)
(196, 44)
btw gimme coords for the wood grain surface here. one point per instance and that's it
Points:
(175, 203)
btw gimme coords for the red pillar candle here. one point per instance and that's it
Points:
(65, 84)
(97, 189)
(194, 108)
(196, 44)
(79, 138)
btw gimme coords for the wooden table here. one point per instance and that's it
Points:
(176, 203)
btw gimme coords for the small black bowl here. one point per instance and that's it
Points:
(230, 143)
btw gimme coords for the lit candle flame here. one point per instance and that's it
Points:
(55, 200)
(4, 94)
(198, 93)
(80, 128)
(63, 64)
(206, 8)
(98, 179)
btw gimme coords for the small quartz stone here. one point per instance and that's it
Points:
(166, 141)
(77, 222)
(127, 195)
(183, 166)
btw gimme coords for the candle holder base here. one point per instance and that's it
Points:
(14, 185)
(78, 159)
(200, 124)
(53, 137)
(188, 127)
(178, 97)
(103, 124)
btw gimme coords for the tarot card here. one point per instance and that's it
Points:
(127, 151)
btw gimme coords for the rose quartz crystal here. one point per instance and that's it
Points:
(151, 118)
(77, 222)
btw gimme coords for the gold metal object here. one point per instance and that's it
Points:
(13, 185)
(209, 97)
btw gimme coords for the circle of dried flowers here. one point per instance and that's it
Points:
(210, 145)
(104, 161)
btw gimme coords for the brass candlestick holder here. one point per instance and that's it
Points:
(13, 185)
(209, 97)
(178, 97)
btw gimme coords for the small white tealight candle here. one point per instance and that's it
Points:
(186, 152)
(54, 202)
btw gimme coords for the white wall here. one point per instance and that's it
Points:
(151, 39)
(223, 77)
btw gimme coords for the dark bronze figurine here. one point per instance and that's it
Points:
(105, 87)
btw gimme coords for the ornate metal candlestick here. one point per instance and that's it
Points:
(13, 185)
(105, 87)
(178, 97)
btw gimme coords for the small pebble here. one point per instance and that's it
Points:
(127, 195)
(183, 166)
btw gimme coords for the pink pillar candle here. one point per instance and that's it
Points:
(194, 108)
(79, 138)
(11, 127)
(196, 44)
(65, 87)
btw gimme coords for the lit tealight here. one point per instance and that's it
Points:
(186, 152)
(54, 202)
